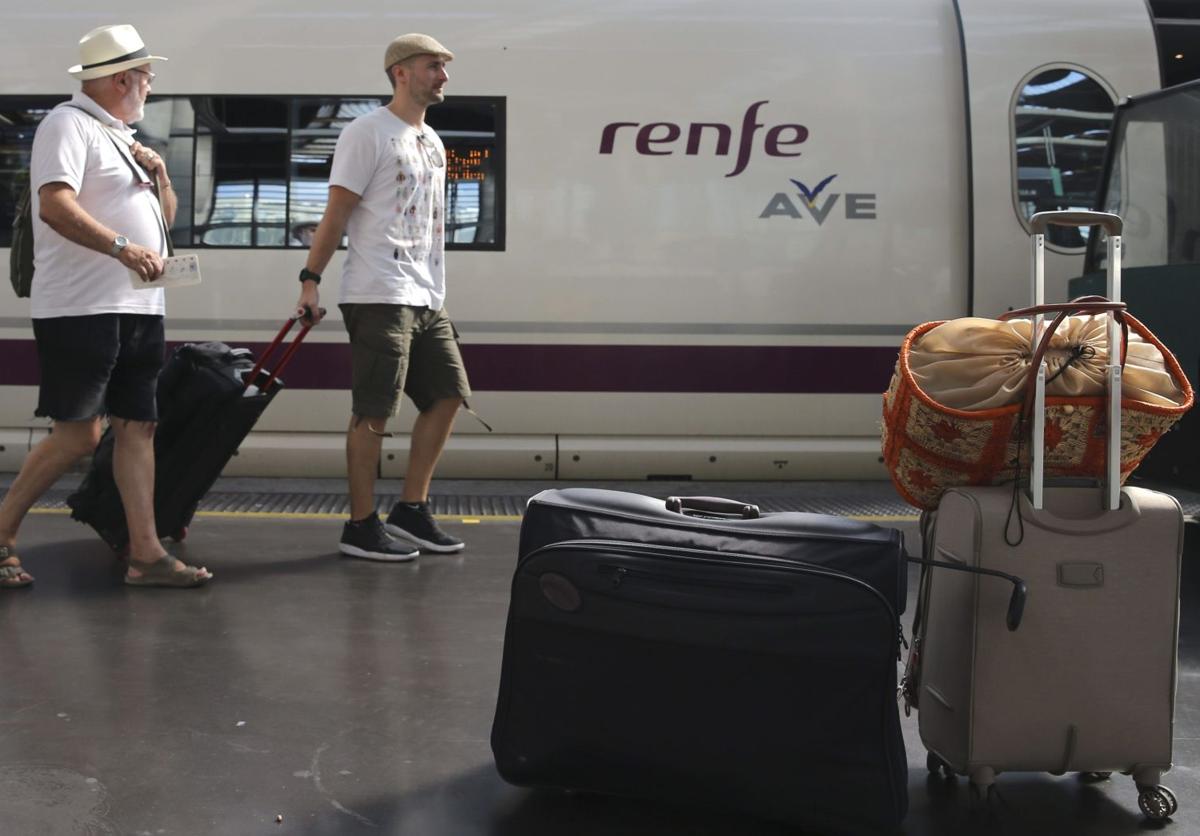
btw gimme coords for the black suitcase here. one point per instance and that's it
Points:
(209, 398)
(697, 652)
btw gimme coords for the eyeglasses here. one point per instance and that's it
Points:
(435, 156)
(149, 75)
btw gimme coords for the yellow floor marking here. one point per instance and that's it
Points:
(314, 515)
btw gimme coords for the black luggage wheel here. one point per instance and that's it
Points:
(938, 766)
(1157, 803)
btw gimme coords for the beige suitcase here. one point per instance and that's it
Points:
(1087, 682)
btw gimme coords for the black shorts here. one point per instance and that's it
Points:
(103, 364)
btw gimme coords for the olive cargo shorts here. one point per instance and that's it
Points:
(402, 348)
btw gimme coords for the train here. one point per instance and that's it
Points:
(685, 239)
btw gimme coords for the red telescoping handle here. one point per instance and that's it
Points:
(287, 354)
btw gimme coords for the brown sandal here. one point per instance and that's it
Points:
(12, 576)
(162, 572)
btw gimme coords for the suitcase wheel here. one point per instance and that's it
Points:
(180, 535)
(1157, 803)
(1094, 776)
(983, 799)
(938, 766)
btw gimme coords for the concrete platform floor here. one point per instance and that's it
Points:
(351, 697)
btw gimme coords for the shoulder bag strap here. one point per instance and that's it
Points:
(139, 174)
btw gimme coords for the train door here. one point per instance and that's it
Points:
(1040, 96)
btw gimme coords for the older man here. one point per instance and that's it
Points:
(97, 218)
(387, 190)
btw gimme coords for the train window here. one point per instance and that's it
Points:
(1061, 122)
(262, 167)
(470, 129)
(252, 171)
(19, 118)
(167, 127)
(241, 194)
(316, 124)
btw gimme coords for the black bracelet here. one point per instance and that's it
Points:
(307, 275)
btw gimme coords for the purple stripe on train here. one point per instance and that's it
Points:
(593, 368)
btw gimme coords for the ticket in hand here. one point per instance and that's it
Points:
(178, 271)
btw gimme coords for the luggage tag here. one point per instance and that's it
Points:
(178, 271)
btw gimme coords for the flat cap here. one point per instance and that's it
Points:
(414, 43)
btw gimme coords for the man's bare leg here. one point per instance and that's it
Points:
(68, 442)
(364, 534)
(430, 432)
(411, 519)
(364, 442)
(133, 471)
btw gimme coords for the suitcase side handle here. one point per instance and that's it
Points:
(696, 506)
(1016, 601)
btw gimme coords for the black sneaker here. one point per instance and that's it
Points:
(417, 525)
(367, 538)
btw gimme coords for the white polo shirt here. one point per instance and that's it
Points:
(397, 231)
(70, 280)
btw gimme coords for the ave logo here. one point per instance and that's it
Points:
(857, 207)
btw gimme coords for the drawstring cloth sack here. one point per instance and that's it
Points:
(952, 414)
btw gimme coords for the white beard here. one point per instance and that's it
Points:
(137, 107)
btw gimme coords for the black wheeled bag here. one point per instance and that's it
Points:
(209, 398)
(698, 652)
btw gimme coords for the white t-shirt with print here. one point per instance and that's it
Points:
(397, 231)
(71, 280)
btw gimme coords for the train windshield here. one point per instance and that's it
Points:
(1153, 168)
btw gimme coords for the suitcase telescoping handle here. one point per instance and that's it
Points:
(287, 354)
(699, 506)
(1113, 225)
(1016, 601)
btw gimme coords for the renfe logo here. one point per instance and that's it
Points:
(656, 138)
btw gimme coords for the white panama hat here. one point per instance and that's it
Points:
(108, 50)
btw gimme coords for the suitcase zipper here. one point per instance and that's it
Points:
(620, 573)
(700, 557)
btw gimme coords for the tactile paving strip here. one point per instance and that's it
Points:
(847, 499)
(842, 503)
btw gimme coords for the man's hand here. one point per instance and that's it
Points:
(149, 160)
(309, 304)
(145, 262)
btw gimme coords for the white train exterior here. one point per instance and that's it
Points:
(700, 230)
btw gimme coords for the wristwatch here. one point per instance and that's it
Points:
(307, 275)
(119, 243)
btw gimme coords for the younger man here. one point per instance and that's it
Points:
(387, 193)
